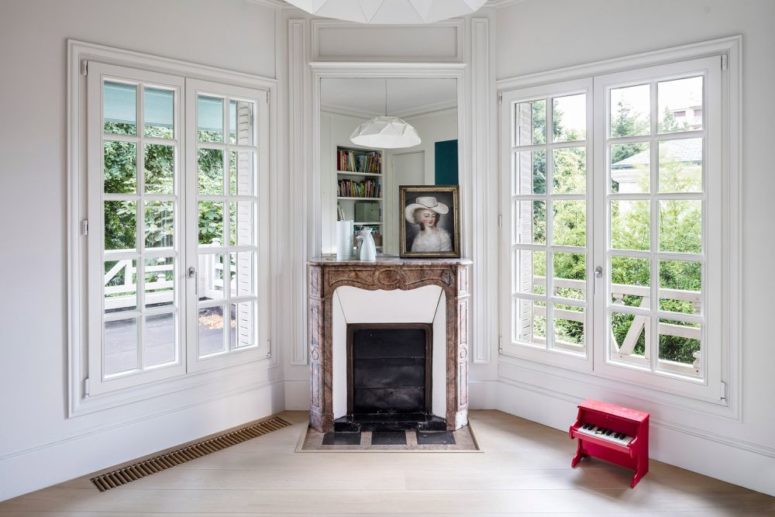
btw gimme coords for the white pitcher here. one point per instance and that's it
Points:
(368, 248)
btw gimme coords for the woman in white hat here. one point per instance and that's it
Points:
(426, 212)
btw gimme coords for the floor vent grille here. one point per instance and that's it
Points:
(192, 451)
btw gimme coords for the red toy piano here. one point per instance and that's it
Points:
(613, 433)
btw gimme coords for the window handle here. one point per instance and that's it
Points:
(598, 271)
(191, 272)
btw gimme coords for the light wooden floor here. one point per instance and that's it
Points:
(524, 469)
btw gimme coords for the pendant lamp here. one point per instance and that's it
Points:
(389, 11)
(385, 132)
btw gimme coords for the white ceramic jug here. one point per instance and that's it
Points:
(368, 248)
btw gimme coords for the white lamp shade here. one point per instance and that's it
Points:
(389, 11)
(385, 133)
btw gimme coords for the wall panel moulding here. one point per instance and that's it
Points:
(344, 41)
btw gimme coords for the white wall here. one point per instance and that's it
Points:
(742, 451)
(39, 445)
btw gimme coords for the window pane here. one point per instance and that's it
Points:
(630, 225)
(680, 226)
(630, 112)
(211, 331)
(242, 273)
(628, 332)
(210, 223)
(630, 279)
(120, 225)
(570, 223)
(570, 273)
(530, 123)
(568, 325)
(209, 119)
(570, 166)
(680, 105)
(119, 108)
(120, 167)
(241, 173)
(241, 123)
(630, 167)
(159, 340)
(529, 173)
(529, 272)
(530, 222)
(679, 341)
(159, 281)
(159, 224)
(529, 321)
(159, 169)
(120, 285)
(680, 283)
(680, 165)
(158, 109)
(210, 171)
(570, 118)
(242, 329)
(120, 346)
(241, 223)
(211, 277)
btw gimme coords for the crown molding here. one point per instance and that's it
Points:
(276, 4)
(498, 4)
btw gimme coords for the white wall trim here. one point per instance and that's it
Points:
(298, 168)
(644, 59)
(318, 25)
(276, 4)
(428, 109)
(484, 197)
(499, 4)
(561, 382)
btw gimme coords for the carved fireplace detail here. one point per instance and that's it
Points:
(326, 275)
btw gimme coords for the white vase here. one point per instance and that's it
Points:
(368, 247)
(344, 240)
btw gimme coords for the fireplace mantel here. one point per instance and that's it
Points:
(325, 275)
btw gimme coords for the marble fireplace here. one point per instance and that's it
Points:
(400, 293)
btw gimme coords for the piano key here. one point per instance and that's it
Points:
(605, 434)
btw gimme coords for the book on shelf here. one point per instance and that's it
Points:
(363, 188)
(354, 160)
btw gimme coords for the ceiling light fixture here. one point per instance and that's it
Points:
(389, 11)
(386, 132)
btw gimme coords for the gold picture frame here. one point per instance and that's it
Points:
(430, 221)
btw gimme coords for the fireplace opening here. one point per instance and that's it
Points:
(389, 376)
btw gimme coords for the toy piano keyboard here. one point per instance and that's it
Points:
(612, 433)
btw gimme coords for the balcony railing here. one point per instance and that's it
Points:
(638, 324)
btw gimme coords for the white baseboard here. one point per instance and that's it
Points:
(483, 394)
(73, 457)
(297, 395)
(668, 444)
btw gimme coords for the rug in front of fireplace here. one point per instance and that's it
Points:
(409, 440)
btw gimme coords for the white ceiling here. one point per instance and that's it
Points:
(405, 96)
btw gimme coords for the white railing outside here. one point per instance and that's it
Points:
(618, 292)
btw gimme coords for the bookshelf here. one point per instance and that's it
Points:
(359, 187)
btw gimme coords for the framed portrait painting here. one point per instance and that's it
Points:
(430, 221)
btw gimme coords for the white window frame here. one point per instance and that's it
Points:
(649, 373)
(100, 73)
(582, 358)
(87, 391)
(719, 392)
